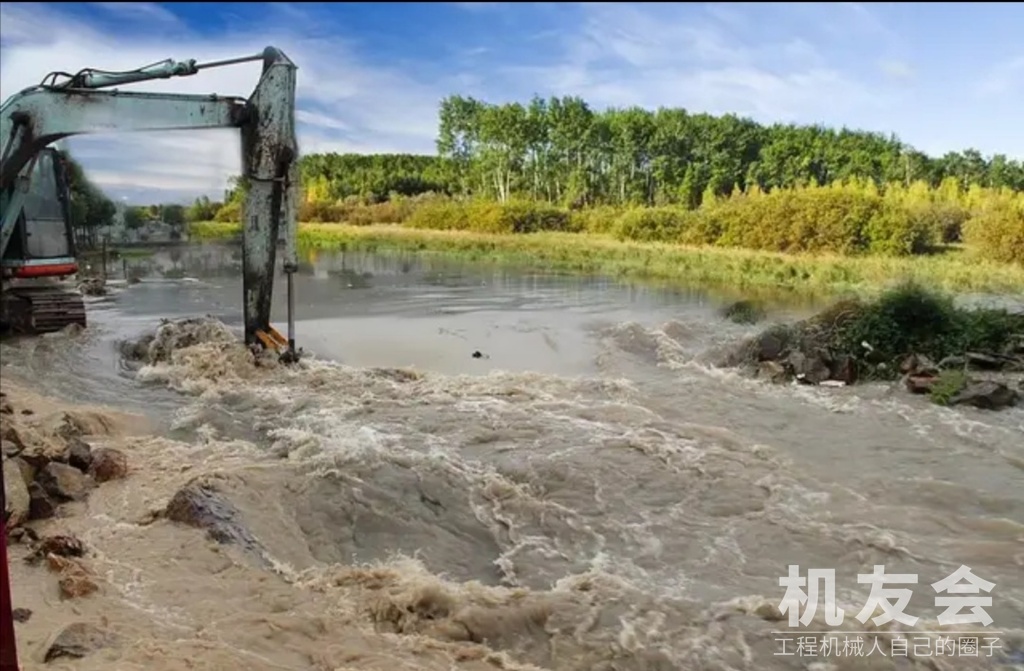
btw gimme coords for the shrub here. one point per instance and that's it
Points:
(996, 230)
(490, 217)
(651, 224)
(910, 319)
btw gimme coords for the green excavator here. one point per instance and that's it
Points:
(37, 245)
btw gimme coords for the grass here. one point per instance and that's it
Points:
(956, 270)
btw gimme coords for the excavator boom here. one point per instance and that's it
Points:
(38, 116)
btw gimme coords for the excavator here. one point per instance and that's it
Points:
(37, 244)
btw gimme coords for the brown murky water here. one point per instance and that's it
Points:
(587, 495)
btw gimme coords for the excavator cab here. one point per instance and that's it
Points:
(42, 243)
(40, 249)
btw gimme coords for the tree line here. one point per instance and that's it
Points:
(562, 151)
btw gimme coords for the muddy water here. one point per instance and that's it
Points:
(641, 504)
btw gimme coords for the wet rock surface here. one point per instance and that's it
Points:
(78, 640)
(93, 286)
(805, 353)
(49, 462)
(199, 504)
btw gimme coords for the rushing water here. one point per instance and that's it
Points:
(589, 442)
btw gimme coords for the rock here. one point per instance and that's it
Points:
(28, 474)
(810, 369)
(770, 345)
(18, 503)
(744, 312)
(986, 395)
(918, 364)
(22, 534)
(953, 362)
(920, 383)
(63, 482)
(93, 286)
(21, 614)
(844, 369)
(41, 506)
(984, 361)
(199, 505)
(78, 640)
(79, 454)
(40, 453)
(9, 449)
(75, 579)
(108, 464)
(773, 371)
(9, 434)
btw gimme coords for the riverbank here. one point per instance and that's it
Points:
(586, 253)
(110, 578)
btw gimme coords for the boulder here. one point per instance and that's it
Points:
(987, 395)
(77, 640)
(772, 371)
(41, 506)
(200, 505)
(809, 368)
(918, 364)
(844, 369)
(93, 286)
(63, 482)
(983, 361)
(79, 454)
(18, 503)
(953, 362)
(108, 464)
(920, 383)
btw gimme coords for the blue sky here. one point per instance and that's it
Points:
(941, 76)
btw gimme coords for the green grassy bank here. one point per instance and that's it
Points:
(590, 253)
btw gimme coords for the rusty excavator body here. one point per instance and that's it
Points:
(37, 245)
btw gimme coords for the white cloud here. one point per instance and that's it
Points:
(652, 55)
(804, 65)
(343, 104)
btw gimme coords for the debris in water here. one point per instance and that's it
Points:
(60, 545)
(171, 336)
(480, 355)
(21, 614)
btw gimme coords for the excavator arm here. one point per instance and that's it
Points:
(36, 117)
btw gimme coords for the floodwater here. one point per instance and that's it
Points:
(591, 456)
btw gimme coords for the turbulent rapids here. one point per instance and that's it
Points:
(386, 518)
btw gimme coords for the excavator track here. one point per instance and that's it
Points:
(41, 309)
